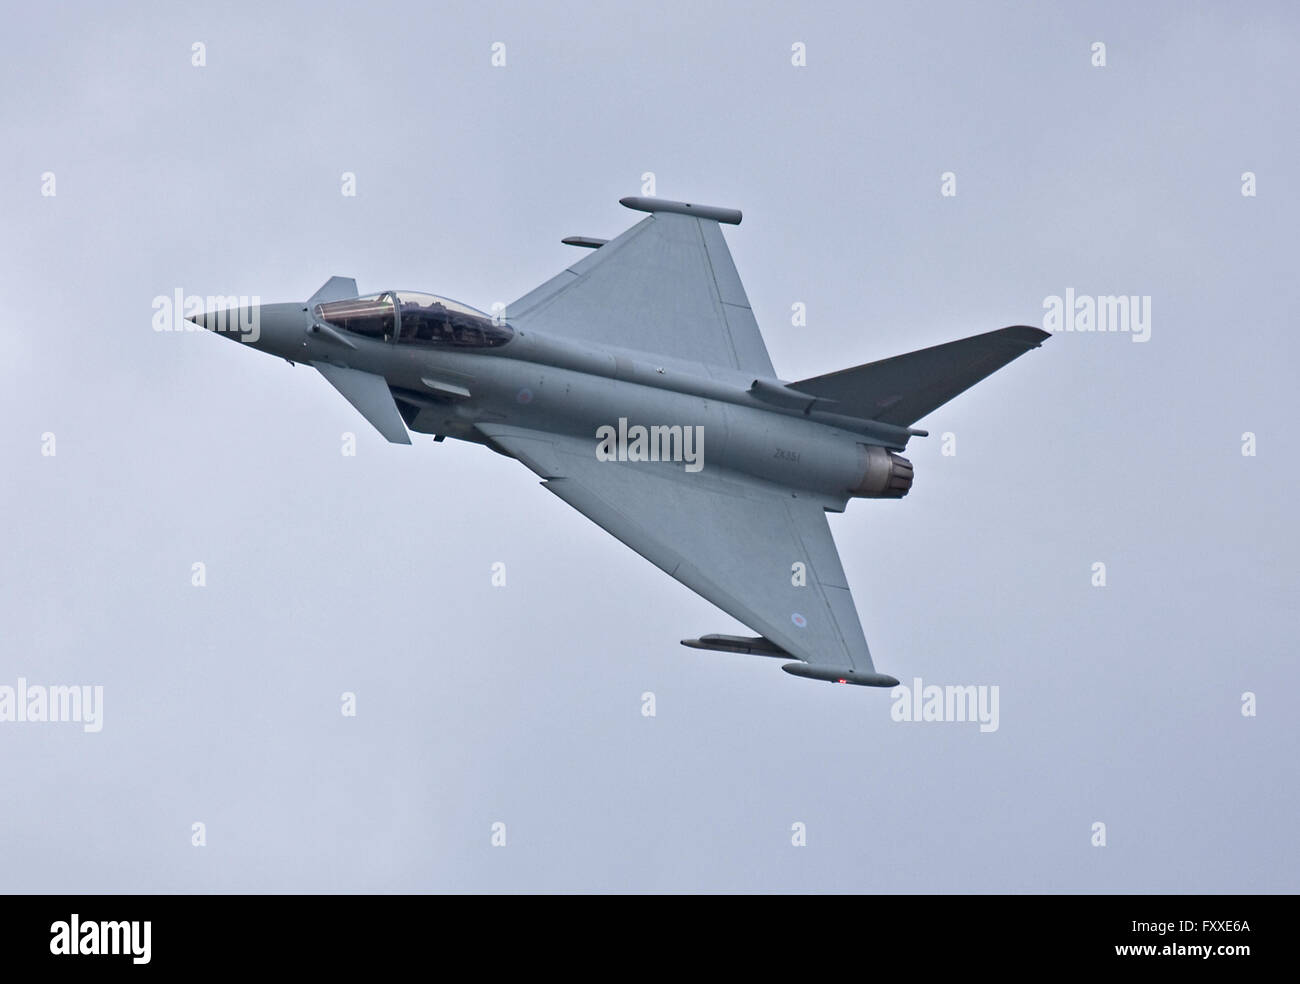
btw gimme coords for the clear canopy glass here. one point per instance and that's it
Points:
(372, 315)
(417, 318)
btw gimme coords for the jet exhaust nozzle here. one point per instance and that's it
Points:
(886, 476)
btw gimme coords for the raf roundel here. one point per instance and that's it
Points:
(799, 620)
(524, 396)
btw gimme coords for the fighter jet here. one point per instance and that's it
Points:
(636, 385)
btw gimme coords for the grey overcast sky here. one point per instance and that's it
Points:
(521, 704)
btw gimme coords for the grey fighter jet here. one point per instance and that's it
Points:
(637, 386)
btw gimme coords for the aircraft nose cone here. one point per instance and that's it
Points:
(279, 329)
(234, 323)
(225, 321)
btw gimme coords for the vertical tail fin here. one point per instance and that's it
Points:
(904, 389)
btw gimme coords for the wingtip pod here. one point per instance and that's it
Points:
(731, 216)
(839, 674)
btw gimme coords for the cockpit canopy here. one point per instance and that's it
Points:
(409, 316)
